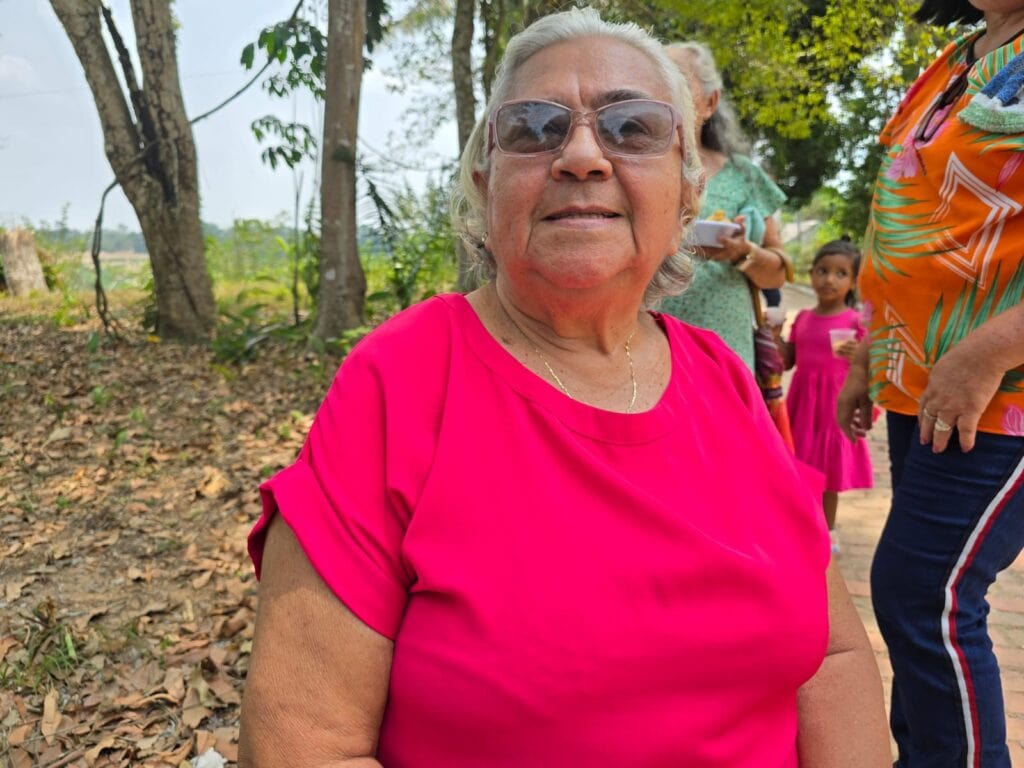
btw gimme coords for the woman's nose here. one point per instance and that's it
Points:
(582, 156)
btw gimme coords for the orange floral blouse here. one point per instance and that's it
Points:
(944, 245)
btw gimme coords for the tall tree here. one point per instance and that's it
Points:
(465, 104)
(342, 287)
(149, 144)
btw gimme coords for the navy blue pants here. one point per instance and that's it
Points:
(957, 520)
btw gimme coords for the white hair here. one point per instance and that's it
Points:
(721, 131)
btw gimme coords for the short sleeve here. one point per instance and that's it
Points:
(763, 193)
(350, 495)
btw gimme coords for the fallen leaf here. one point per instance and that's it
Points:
(93, 754)
(16, 737)
(205, 740)
(12, 589)
(81, 622)
(223, 688)
(6, 643)
(194, 716)
(50, 722)
(214, 483)
(58, 435)
(154, 606)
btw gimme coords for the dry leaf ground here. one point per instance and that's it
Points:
(128, 479)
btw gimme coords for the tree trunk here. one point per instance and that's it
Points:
(150, 147)
(465, 107)
(342, 282)
(22, 271)
(462, 69)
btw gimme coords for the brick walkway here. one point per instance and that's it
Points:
(859, 521)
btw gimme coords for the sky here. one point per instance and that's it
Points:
(51, 145)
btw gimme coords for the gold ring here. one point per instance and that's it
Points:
(928, 414)
(941, 426)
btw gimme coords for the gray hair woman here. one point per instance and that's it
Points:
(483, 555)
(739, 191)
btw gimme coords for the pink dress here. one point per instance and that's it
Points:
(564, 586)
(811, 402)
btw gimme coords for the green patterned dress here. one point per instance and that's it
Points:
(718, 298)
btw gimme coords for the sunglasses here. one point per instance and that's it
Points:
(638, 127)
(938, 112)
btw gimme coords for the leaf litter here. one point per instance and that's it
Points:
(128, 479)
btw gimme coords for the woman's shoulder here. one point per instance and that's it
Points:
(704, 354)
(763, 192)
(409, 349)
(431, 320)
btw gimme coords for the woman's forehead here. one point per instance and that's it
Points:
(591, 70)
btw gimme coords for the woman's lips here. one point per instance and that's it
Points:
(563, 215)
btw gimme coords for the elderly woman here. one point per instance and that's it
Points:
(737, 189)
(944, 281)
(485, 555)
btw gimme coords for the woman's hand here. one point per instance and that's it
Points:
(960, 386)
(854, 406)
(732, 248)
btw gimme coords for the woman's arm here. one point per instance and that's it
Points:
(766, 265)
(854, 406)
(964, 380)
(842, 714)
(318, 676)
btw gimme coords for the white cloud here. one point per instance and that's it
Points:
(14, 70)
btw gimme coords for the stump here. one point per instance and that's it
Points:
(22, 270)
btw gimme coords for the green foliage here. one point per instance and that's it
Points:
(71, 310)
(299, 46)
(99, 396)
(253, 317)
(49, 652)
(415, 241)
(295, 141)
(249, 249)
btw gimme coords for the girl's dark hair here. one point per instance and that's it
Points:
(843, 247)
(946, 12)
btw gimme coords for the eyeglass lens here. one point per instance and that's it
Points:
(636, 127)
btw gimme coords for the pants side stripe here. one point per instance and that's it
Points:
(949, 612)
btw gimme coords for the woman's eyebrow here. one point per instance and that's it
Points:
(620, 94)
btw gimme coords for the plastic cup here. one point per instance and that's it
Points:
(839, 336)
(774, 316)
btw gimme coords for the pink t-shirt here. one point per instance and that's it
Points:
(565, 586)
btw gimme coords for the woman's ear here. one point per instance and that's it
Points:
(712, 102)
(480, 180)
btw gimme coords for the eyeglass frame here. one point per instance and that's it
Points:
(949, 96)
(577, 117)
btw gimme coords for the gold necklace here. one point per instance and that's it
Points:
(557, 379)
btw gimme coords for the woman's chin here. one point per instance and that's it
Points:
(584, 273)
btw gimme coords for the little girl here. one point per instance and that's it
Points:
(822, 359)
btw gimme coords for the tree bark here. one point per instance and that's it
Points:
(342, 288)
(22, 271)
(465, 107)
(151, 150)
